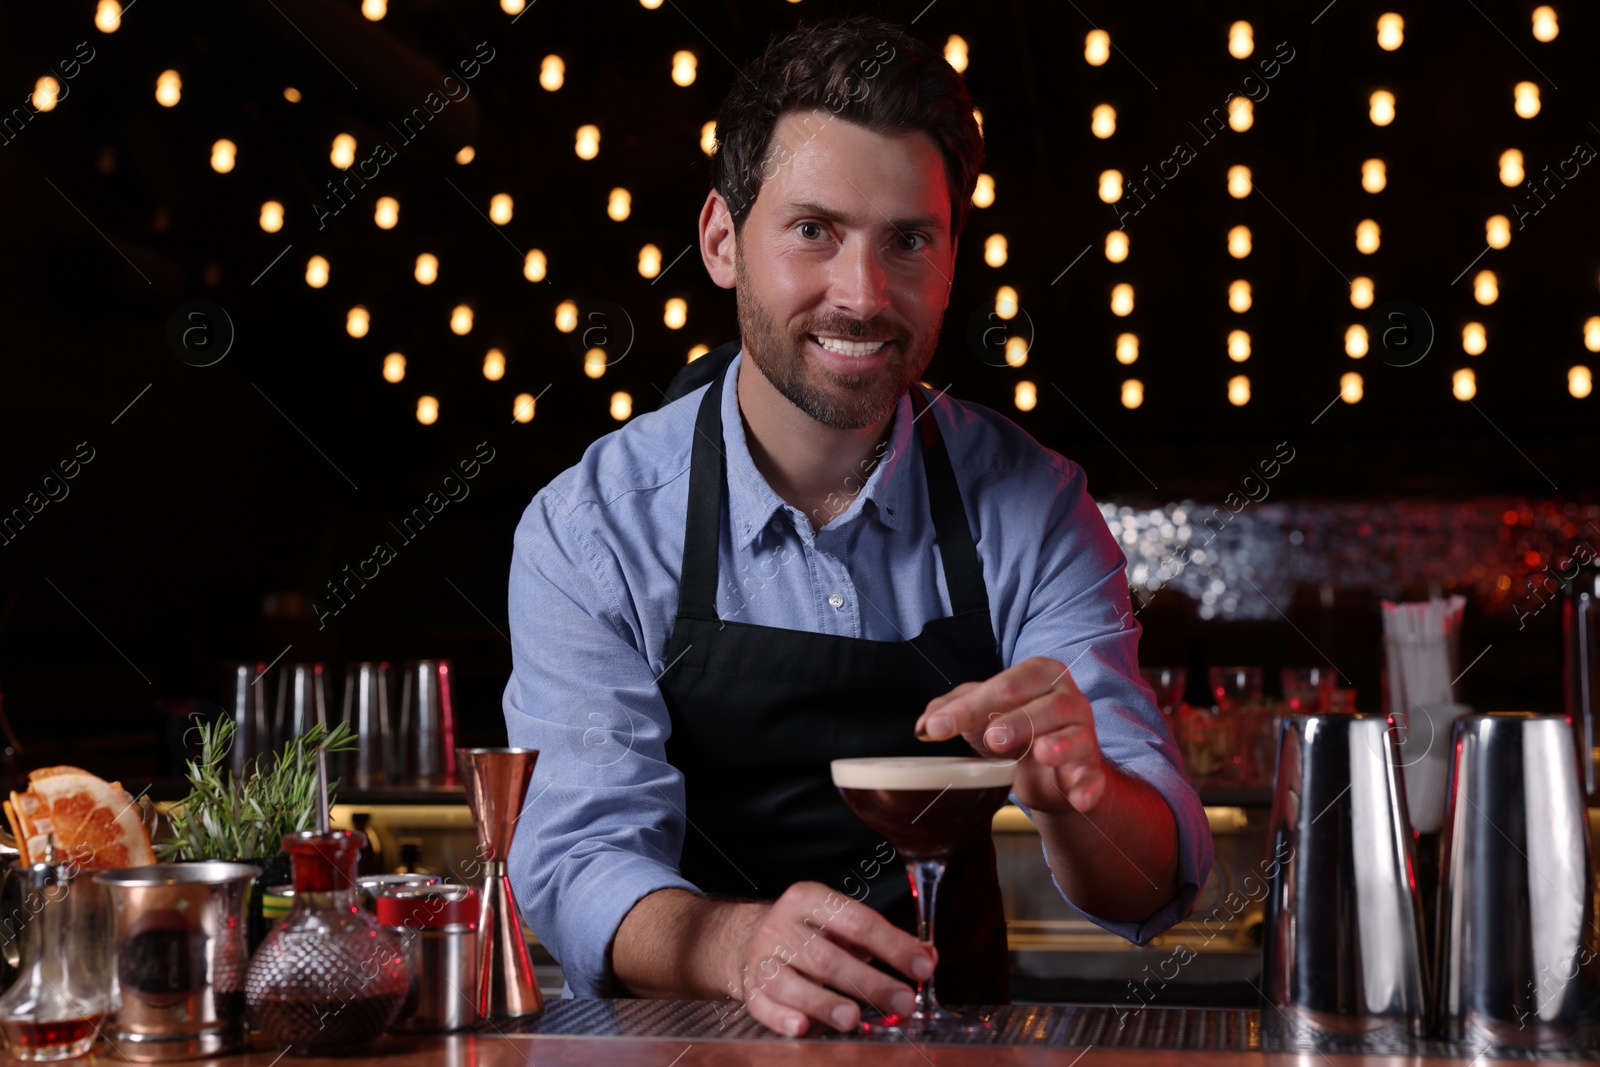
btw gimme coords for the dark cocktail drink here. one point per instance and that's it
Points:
(925, 806)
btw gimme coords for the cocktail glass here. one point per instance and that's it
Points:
(925, 806)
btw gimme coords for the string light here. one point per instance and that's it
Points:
(500, 208)
(1350, 388)
(621, 406)
(983, 191)
(676, 313)
(272, 216)
(1097, 47)
(1239, 184)
(427, 410)
(1591, 333)
(1391, 31)
(1355, 341)
(955, 53)
(1374, 176)
(1474, 339)
(394, 367)
(1238, 345)
(1117, 246)
(1241, 41)
(291, 94)
(1545, 26)
(1526, 99)
(533, 265)
(386, 212)
(708, 138)
(977, 116)
(649, 5)
(427, 269)
(994, 250)
(1367, 237)
(1016, 352)
(587, 142)
(1380, 107)
(594, 362)
(316, 272)
(466, 155)
(1464, 384)
(1241, 113)
(1485, 288)
(1239, 295)
(169, 88)
(357, 321)
(1511, 173)
(1579, 381)
(649, 261)
(513, 7)
(1239, 390)
(1025, 396)
(494, 365)
(697, 351)
(1005, 302)
(343, 153)
(461, 320)
(223, 156)
(1121, 299)
(1127, 349)
(1361, 293)
(1110, 186)
(374, 9)
(683, 68)
(620, 204)
(1132, 393)
(522, 407)
(1239, 242)
(566, 316)
(1103, 121)
(107, 16)
(1498, 231)
(552, 73)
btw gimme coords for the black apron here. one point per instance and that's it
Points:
(759, 711)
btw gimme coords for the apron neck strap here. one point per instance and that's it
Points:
(708, 476)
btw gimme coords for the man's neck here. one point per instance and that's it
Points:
(816, 468)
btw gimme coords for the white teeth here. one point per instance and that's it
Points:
(849, 348)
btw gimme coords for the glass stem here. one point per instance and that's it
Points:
(924, 875)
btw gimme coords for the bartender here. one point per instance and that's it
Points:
(805, 554)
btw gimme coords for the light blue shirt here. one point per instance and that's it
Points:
(594, 591)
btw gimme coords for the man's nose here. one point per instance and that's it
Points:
(860, 284)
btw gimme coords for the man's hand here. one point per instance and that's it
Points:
(1033, 708)
(806, 959)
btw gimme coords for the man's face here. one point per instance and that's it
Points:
(847, 244)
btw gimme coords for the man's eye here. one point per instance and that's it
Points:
(804, 226)
(913, 242)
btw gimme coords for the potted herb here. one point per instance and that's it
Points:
(223, 819)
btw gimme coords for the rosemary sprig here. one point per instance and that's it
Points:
(221, 819)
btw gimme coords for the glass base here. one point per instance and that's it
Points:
(930, 1024)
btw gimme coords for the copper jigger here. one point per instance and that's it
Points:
(497, 783)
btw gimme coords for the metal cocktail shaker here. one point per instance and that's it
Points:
(368, 694)
(1518, 954)
(438, 930)
(1580, 630)
(1343, 951)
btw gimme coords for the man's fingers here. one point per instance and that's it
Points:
(1014, 731)
(823, 979)
(1010, 689)
(782, 1018)
(859, 925)
(940, 701)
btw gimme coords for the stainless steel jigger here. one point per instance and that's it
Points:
(497, 782)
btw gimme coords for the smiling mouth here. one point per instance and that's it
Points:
(846, 347)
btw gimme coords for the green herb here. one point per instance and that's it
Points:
(221, 819)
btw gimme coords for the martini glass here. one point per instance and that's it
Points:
(925, 806)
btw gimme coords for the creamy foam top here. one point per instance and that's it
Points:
(921, 772)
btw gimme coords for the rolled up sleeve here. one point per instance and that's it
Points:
(1080, 613)
(603, 824)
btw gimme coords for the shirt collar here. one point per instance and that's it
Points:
(752, 502)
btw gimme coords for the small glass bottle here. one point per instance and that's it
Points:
(62, 992)
(328, 978)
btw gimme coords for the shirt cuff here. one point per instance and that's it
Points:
(1194, 851)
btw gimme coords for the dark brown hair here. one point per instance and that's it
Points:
(862, 69)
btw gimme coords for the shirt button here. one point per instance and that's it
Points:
(836, 600)
(777, 526)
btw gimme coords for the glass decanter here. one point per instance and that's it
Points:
(328, 978)
(63, 990)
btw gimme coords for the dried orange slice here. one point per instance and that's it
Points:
(94, 821)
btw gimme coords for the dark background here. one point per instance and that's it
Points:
(221, 502)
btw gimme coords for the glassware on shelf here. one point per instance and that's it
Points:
(1205, 738)
(1309, 690)
(328, 978)
(63, 989)
(1233, 686)
(1168, 683)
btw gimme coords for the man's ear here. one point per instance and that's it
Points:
(717, 244)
